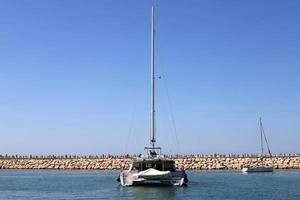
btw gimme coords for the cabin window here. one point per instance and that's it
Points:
(158, 165)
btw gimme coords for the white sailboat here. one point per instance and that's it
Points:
(152, 168)
(260, 166)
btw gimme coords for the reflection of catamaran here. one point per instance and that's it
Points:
(261, 166)
(153, 168)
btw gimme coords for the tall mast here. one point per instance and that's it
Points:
(261, 137)
(152, 128)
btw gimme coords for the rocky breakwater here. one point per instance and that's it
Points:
(190, 162)
(236, 162)
(80, 163)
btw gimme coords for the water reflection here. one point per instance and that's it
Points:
(148, 192)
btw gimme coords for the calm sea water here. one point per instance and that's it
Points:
(27, 184)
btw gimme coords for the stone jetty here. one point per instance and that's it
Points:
(109, 162)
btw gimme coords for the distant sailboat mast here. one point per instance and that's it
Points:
(263, 137)
(152, 126)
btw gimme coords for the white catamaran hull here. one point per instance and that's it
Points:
(153, 177)
(257, 169)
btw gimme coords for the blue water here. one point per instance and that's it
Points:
(44, 184)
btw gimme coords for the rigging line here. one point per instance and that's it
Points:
(268, 145)
(170, 105)
(170, 140)
(263, 130)
(265, 137)
(172, 115)
(131, 127)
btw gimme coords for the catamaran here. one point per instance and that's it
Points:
(153, 168)
(260, 166)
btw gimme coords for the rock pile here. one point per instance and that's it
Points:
(190, 162)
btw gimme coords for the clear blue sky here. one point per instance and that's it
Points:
(74, 76)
